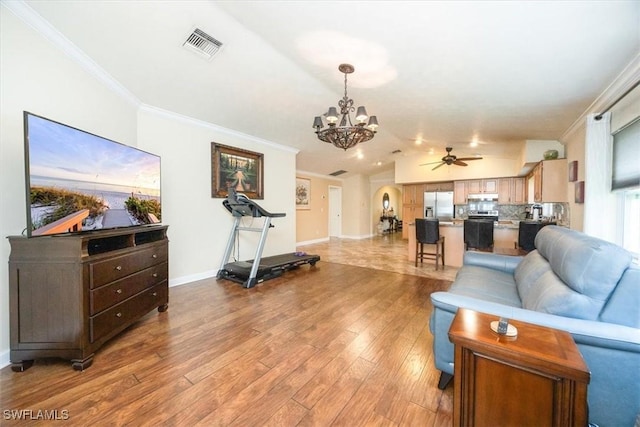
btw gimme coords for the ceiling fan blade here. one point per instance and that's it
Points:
(470, 158)
(441, 164)
(459, 163)
(431, 163)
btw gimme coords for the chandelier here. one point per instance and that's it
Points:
(346, 135)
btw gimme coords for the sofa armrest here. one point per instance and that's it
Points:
(504, 263)
(594, 333)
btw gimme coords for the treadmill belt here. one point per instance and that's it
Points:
(269, 267)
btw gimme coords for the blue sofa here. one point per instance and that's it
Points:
(572, 282)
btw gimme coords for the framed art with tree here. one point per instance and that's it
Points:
(236, 168)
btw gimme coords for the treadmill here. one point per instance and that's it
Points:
(257, 270)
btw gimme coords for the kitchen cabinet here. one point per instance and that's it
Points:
(550, 181)
(511, 191)
(460, 193)
(413, 194)
(439, 186)
(480, 186)
(412, 206)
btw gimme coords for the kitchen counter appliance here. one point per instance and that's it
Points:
(491, 215)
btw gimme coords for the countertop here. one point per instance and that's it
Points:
(501, 224)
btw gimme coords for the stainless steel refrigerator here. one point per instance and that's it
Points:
(439, 204)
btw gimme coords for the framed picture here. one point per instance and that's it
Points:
(579, 192)
(303, 193)
(573, 171)
(236, 168)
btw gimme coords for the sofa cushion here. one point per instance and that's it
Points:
(588, 265)
(549, 294)
(486, 284)
(529, 271)
(623, 306)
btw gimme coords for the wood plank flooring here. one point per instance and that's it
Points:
(327, 345)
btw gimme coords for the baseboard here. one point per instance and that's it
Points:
(311, 242)
(177, 281)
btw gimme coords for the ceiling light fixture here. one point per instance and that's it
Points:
(346, 135)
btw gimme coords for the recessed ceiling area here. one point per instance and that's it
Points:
(445, 73)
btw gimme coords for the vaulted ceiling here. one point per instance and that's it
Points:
(440, 72)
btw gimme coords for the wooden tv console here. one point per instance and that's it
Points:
(69, 294)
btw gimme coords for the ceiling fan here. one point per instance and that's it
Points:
(450, 159)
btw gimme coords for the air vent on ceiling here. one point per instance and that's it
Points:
(336, 173)
(202, 43)
(396, 151)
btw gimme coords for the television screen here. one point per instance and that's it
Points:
(77, 181)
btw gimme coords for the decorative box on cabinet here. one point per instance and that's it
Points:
(538, 378)
(69, 294)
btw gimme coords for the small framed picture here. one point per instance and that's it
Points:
(579, 192)
(303, 193)
(573, 171)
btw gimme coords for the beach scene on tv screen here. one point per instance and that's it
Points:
(79, 181)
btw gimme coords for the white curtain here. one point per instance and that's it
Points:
(600, 213)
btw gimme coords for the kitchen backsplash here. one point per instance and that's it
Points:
(557, 211)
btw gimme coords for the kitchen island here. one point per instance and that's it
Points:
(505, 233)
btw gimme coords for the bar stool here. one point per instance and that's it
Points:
(428, 233)
(527, 231)
(478, 234)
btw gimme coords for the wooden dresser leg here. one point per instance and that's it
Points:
(21, 366)
(162, 308)
(81, 365)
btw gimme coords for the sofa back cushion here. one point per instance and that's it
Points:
(623, 306)
(549, 294)
(588, 265)
(527, 273)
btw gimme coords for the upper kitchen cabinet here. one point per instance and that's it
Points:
(480, 186)
(460, 193)
(413, 194)
(550, 181)
(439, 186)
(511, 191)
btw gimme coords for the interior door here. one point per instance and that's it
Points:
(335, 211)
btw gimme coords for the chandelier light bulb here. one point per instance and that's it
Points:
(361, 115)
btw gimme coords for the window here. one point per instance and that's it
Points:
(626, 155)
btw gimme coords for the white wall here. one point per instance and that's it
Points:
(36, 75)
(408, 169)
(199, 226)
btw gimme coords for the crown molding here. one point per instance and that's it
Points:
(627, 78)
(55, 37)
(203, 124)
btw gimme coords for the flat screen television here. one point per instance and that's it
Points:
(77, 181)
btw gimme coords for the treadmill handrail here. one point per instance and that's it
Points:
(240, 205)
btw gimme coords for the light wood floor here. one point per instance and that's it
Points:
(333, 344)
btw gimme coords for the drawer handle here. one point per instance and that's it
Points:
(155, 294)
(154, 256)
(155, 274)
(119, 267)
(118, 291)
(118, 314)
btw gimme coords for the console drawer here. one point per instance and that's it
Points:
(122, 314)
(115, 292)
(103, 272)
